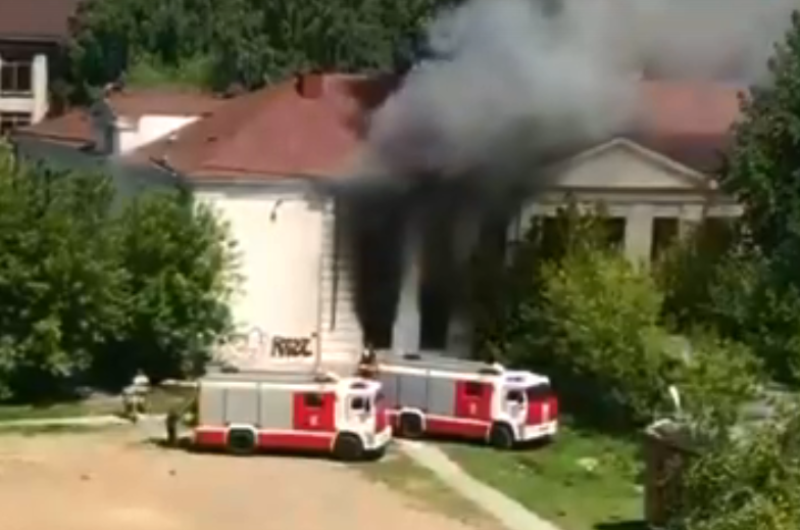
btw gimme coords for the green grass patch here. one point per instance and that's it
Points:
(160, 401)
(424, 488)
(582, 481)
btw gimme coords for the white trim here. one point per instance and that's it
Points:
(456, 419)
(528, 378)
(689, 175)
(257, 431)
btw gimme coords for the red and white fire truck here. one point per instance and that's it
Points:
(444, 396)
(246, 411)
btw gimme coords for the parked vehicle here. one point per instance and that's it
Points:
(429, 394)
(244, 412)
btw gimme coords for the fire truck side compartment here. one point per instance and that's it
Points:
(241, 405)
(211, 406)
(276, 408)
(441, 396)
(413, 391)
(389, 388)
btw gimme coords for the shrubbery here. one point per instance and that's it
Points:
(585, 315)
(745, 483)
(89, 293)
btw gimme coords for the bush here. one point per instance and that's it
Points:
(591, 320)
(745, 484)
(177, 261)
(596, 330)
(715, 379)
(738, 294)
(89, 295)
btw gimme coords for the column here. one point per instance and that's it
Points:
(466, 233)
(691, 217)
(408, 322)
(639, 233)
(40, 88)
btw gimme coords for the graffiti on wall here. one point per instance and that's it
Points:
(291, 347)
(243, 349)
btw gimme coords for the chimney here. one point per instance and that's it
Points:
(310, 85)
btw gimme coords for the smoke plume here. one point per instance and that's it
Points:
(506, 83)
(508, 80)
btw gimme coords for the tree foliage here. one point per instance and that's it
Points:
(750, 292)
(249, 42)
(745, 483)
(89, 294)
(570, 305)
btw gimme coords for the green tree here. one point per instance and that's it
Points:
(92, 290)
(250, 42)
(764, 161)
(60, 284)
(179, 266)
(571, 306)
(745, 483)
(763, 174)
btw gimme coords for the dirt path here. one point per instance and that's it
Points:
(97, 481)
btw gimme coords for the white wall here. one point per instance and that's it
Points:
(134, 134)
(280, 240)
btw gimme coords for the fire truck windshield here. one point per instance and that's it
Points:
(361, 404)
(538, 392)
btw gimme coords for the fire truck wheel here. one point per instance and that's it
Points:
(410, 425)
(501, 437)
(348, 448)
(241, 442)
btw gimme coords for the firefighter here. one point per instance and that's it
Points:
(135, 394)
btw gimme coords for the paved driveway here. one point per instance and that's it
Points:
(111, 480)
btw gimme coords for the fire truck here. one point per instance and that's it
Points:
(429, 394)
(244, 412)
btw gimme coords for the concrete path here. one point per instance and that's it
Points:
(509, 512)
(78, 421)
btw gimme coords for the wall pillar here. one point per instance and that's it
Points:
(406, 333)
(639, 233)
(466, 234)
(40, 88)
(691, 217)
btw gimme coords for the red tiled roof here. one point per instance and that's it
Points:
(73, 128)
(689, 122)
(277, 132)
(136, 103)
(38, 20)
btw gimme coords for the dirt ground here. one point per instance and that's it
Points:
(114, 480)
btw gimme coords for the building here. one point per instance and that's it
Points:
(266, 161)
(32, 37)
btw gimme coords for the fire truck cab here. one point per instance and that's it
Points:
(429, 394)
(248, 411)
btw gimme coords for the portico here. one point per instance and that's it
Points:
(651, 197)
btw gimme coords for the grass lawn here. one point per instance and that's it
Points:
(423, 487)
(583, 481)
(161, 400)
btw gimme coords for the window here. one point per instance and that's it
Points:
(473, 389)
(360, 404)
(539, 392)
(515, 396)
(16, 77)
(313, 401)
(665, 234)
(11, 120)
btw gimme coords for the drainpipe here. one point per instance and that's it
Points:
(320, 278)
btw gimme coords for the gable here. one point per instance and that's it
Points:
(624, 165)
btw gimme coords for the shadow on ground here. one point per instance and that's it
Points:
(623, 525)
(184, 445)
